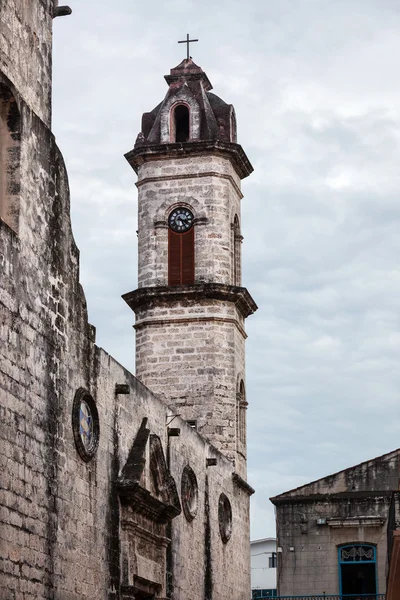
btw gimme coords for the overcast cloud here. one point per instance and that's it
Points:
(315, 85)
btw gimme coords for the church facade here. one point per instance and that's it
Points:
(117, 486)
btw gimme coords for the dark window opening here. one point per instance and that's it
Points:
(181, 257)
(233, 128)
(181, 117)
(272, 561)
(192, 424)
(358, 578)
(10, 153)
(357, 565)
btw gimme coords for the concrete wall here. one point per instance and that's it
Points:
(354, 506)
(312, 567)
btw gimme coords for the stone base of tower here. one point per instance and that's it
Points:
(190, 352)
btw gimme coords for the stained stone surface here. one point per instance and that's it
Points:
(68, 529)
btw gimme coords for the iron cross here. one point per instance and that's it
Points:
(187, 41)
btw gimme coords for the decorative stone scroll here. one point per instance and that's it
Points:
(149, 500)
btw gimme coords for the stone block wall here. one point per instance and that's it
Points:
(210, 187)
(26, 50)
(59, 515)
(191, 353)
(201, 562)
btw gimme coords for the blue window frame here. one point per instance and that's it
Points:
(357, 569)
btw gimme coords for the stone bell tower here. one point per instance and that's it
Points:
(190, 307)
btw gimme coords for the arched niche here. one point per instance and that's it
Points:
(10, 157)
(180, 123)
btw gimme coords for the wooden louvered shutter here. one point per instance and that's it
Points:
(187, 260)
(174, 258)
(180, 257)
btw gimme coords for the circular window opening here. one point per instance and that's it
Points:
(189, 493)
(85, 424)
(225, 518)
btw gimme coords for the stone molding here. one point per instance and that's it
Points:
(240, 482)
(161, 295)
(163, 178)
(367, 521)
(335, 497)
(178, 150)
(180, 320)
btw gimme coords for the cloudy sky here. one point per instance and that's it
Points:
(316, 90)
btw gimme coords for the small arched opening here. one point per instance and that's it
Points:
(232, 127)
(10, 156)
(180, 124)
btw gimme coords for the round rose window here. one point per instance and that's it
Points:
(189, 493)
(225, 518)
(85, 424)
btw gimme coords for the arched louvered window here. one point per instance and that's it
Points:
(237, 250)
(10, 154)
(241, 414)
(180, 128)
(233, 128)
(180, 247)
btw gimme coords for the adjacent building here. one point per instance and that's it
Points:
(263, 568)
(335, 535)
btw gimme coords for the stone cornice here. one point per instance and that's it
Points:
(163, 322)
(333, 497)
(235, 152)
(344, 522)
(240, 482)
(133, 494)
(190, 176)
(164, 295)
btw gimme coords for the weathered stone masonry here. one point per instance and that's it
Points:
(193, 335)
(109, 527)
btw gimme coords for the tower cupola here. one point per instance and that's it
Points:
(189, 111)
(190, 119)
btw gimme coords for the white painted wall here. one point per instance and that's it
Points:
(262, 576)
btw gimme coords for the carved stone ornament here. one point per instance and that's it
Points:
(149, 500)
(189, 493)
(225, 518)
(85, 424)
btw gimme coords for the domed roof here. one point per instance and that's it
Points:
(210, 117)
